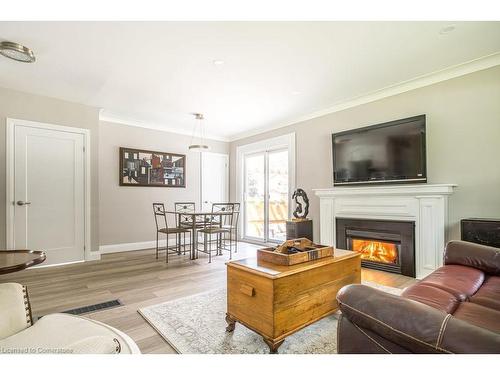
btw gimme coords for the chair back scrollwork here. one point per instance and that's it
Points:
(160, 216)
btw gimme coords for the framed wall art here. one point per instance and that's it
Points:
(151, 168)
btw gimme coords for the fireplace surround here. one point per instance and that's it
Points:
(385, 245)
(424, 204)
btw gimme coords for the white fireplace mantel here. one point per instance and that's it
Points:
(425, 204)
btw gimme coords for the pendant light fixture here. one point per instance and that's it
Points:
(198, 138)
(17, 52)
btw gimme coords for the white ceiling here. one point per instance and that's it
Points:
(157, 73)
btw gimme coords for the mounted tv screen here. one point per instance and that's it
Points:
(389, 152)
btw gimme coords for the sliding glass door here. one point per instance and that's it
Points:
(277, 177)
(255, 191)
(266, 195)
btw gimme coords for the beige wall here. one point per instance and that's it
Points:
(19, 105)
(463, 142)
(126, 211)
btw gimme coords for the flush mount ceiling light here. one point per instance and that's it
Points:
(17, 52)
(198, 138)
(218, 62)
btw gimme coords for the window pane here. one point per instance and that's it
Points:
(278, 194)
(254, 203)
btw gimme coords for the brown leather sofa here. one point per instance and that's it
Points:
(456, 309)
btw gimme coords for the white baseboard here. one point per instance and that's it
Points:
(93, 255)
(56, 264)
(133, 246)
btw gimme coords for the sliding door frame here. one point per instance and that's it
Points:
(287, 142)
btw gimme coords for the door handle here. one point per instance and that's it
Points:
(22, 203)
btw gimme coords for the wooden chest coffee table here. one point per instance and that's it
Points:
(276, 301)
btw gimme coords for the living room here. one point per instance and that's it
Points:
(216, 186)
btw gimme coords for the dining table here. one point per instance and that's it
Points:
(18, 260)
(197, 220)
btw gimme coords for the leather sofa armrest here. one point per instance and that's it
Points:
(412, 325)
(484, 258)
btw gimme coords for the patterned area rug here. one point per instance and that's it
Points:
(197, 325)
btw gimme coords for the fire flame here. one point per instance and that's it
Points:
(376, 251)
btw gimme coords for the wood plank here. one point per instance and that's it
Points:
(256, 309)
(308, 307)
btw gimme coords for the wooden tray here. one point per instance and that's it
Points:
(271, 256)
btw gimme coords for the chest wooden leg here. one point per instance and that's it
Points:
(273, 345)
(231, 323)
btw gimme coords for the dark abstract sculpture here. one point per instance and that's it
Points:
(300, 212)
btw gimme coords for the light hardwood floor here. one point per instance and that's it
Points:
(137, 279)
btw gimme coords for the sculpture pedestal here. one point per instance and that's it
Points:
(299, 229)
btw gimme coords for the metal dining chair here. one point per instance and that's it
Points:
(219, 225)
(233, 227)
(186, 220)
(162, 227)
(184, 207)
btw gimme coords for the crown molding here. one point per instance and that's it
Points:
(454, 71)
(109, 116)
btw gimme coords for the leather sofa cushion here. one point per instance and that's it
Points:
(478, 315)
(484, 258)
(433, 297)
(461, 281)
(489, 293)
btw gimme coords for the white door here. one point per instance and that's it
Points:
(49, 199)
(214, 179)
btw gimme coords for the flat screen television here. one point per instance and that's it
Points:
(392, 152)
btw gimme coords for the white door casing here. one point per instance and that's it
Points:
(48, 166)
(214, 179)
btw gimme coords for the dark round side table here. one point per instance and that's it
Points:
(17, 260)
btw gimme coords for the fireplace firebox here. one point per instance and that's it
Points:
(384, 244)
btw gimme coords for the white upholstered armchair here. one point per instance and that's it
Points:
(54, 333)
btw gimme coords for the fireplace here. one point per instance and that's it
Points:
(384, 244)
